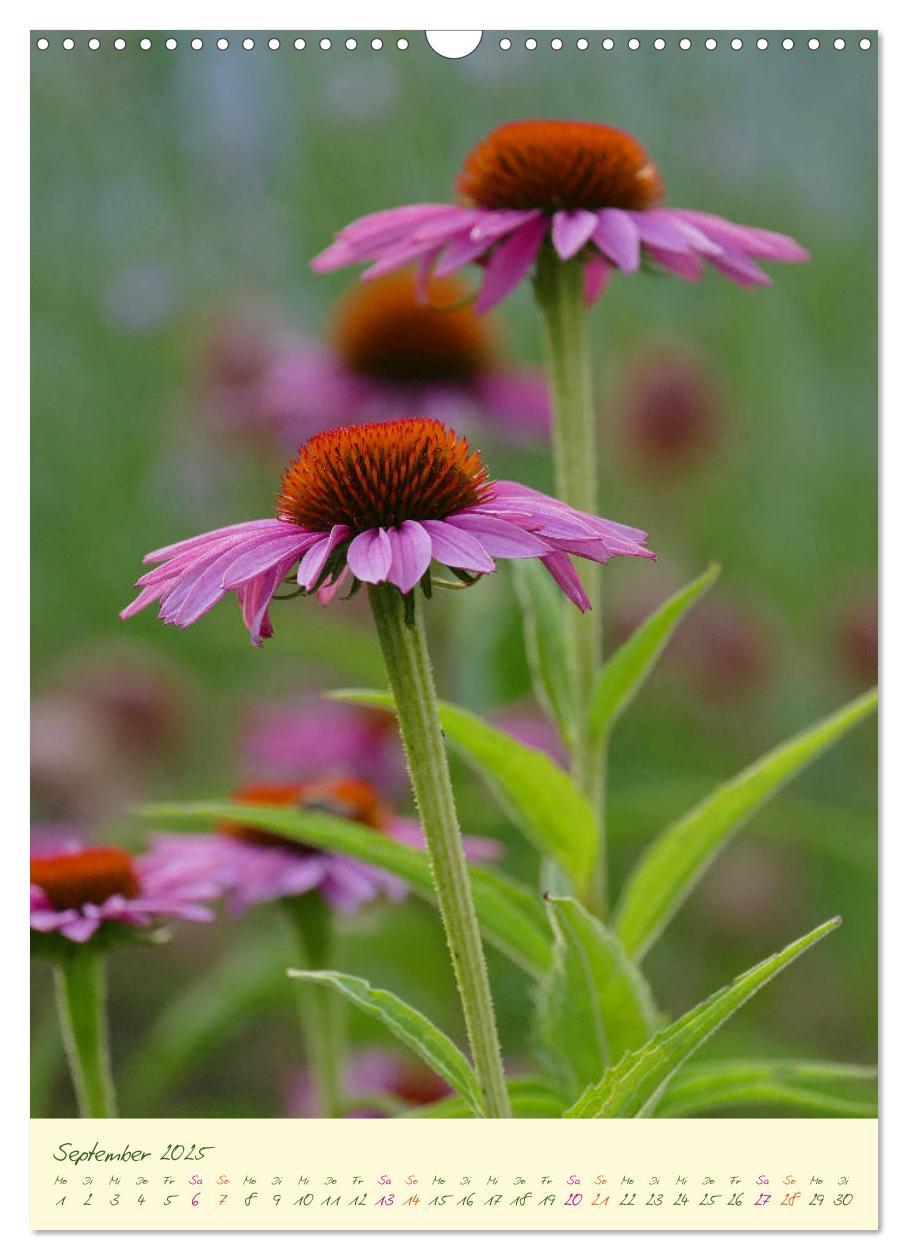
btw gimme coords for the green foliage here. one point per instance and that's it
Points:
(543, 801)
(629, 666)
(674, 862)
(594, 1004)
(542, 604)
(510, 915)
(631, 1087)
(410, 1026)
(789, 1085)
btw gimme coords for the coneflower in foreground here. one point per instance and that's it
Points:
(381, 501)
(377, 503)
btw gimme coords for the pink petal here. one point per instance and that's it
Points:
(460, 251)
(688, 266)
(411, 555)
(658, 230)
(456, 547)
(252, 563)
(314, 560)
(740, 268)
(509, 263)
(189, 544)
(494, 224)
(571, 229)
(500, 537)
(564, 573)
(369, 556)
(596, 274)
(758, 242)
(618, 238)
(254, 600)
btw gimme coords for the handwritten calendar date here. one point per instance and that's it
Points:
(174, 1151)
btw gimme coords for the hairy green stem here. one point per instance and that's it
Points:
(82, 1010)
(321, 1018)
(410, 676)
(559, 294)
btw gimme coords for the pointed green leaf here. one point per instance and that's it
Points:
(531, 1098)
(543, 801)
(510, 914)
(594, 1004)
(410, 1026)
(832, 1089)
(674, 862)
(631, 1086)
(629, 666)
(546, 644)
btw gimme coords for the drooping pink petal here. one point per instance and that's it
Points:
(687, 266)
(369, 556)
(571, 229)
(255, 597)
(493, 224)
(254, 562)
(314, 560)
(499, 537)
(458, 548)
(597, 272)
(564, 573)
(327, 592)
(411, 555)
(658, 230)
(461, 250)
(189, 544)
(758, 242)
(738, 267)
(509, 262)
(617, 236)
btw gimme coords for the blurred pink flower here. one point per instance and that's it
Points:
(857, 632)
(388, 355)
(589, 188)
(76, 887)
(372, 1071)
(256, 866)
(378, 503)
(315, 737)
(669, 410)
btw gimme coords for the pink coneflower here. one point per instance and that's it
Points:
(316, 738)
(389, 354)
(379, 502)
(590, 189)
(369, 1073)
(77, 888)
(259, 867)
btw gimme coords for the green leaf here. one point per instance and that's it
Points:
(629, 666)
(531, 1098)
(832, 1089)
(674, 862)
(543, 801)
(546, 644)
(594, 1005)
(510, 914)
(410, 1026)
(631, 1086)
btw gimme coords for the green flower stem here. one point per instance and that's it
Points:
(309, 918)
(410, 676)
(82, 1010)
(559, 294)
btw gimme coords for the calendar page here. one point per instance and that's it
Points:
(454, 630)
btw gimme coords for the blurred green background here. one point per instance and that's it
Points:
(168, 187)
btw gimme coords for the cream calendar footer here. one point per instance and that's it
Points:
(480, 1174)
